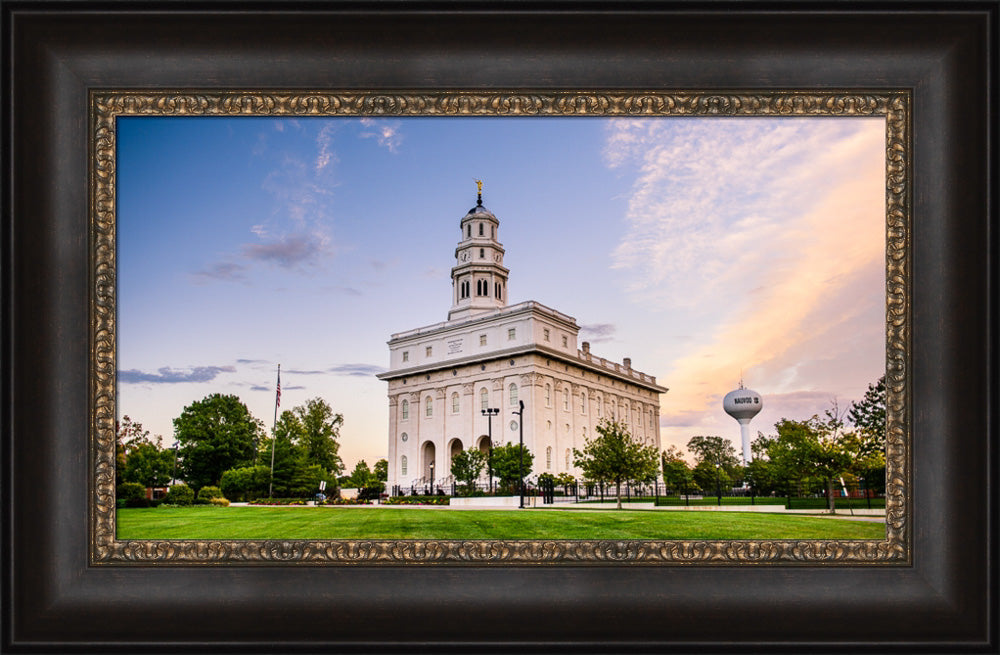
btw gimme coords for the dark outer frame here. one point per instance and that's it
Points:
(55, 52)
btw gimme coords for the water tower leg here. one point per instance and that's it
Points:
(745, 437)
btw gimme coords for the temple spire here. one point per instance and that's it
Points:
(479, 193)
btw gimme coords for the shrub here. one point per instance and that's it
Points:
(279, 501)
(245, 483)
(130, 491)
(208, 493)
(219, 501)
(417, 500)
(180, 494)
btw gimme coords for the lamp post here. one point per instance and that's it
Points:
(432, 477)
(173, 478)
(520, 465)
(490, 412)
(718, 483)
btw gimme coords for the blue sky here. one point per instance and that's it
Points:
(700, 248)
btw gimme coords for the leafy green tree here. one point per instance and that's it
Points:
(511, 463)
(614, 456)
(128, 434)
(467, 466)
(320, 434)
(566, 480)
(245, 483)
(361, 476)
(711, 478)
(868, 416)
(215, 434)
(709, 451)
(148, 464)
(381, 470)
(812, 449)
(287, 460)
(761, 473)
(714, 450)
(676, 472)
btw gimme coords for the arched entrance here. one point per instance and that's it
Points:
(427, 465)
(453, 449)
(484, 444)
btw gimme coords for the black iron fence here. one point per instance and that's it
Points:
(796, 495)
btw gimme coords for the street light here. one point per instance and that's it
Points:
(490, 412)
(432, 476)
(520, 427)
(718, 483)
(173, 478)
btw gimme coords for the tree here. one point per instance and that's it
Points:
(676, 472)
(566, 480)
(711, 453)
(613, 456)
(868, 416)
(710, 477)
(320, 434)
(245, 483)
(128, 434)
(149, 465)
(812, 449)
(381, 470)
(215, 434)
(511, 463)
(760, 472)
(714, 450)
(467, 466)
(361, 476)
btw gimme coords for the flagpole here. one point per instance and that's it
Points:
(274, 433)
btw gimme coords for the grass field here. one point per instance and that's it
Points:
(391, 523)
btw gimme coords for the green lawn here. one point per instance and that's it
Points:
(410, 523)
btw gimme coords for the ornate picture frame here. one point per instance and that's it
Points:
(107, 106)
(68, 586)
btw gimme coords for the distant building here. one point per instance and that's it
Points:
(489, 354)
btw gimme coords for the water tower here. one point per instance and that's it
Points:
(743, 404)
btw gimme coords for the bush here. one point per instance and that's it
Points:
(417, 500)
(370, 493)
(208, 493)
(244, 483)
(220, 502)
(130, 491)
(180, 494)
(279, 501)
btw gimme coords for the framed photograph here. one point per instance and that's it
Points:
(85, 108)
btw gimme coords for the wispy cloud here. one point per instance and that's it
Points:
(225, 271)
(288, 251)
(385, 132)
(598, 332)
(297, 233)
(324, 144)
(767, 234)
(167, 375)
(293, 371)
(359, 370)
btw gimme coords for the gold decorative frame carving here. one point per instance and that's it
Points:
(106, 106)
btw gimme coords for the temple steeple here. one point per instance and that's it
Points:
(478, 279)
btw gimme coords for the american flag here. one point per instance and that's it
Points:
(277, 400)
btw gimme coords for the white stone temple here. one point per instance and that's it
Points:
(489, 354)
